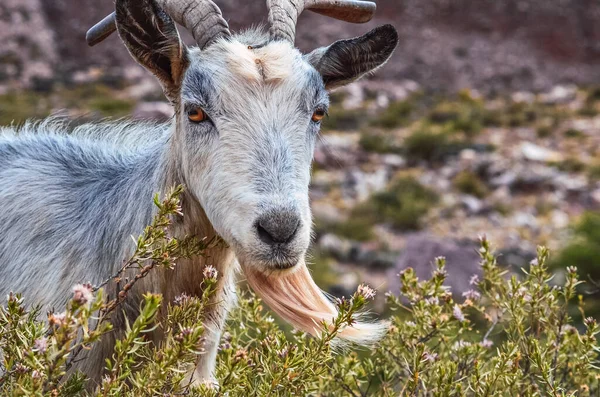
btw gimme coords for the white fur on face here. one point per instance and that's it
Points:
(255, 156)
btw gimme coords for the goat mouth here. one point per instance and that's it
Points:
(285, 265)
(278, 260)
(270, 260)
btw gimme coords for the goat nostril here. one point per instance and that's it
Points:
(264, 235)
(277, 228)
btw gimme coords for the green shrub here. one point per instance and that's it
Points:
(397, 114)
(112, 107)
(467, 116)
(507, 336)
(17, 107)
(573, 133)
(570, 164)
(593, 95)
(469, 183)
(584, 251)
(403, 204)
(359, 227)
(375, 142)
(425, 144)
(544, 131)
(98, 98)
(519, 114)
(588, 110)
(341, 119)
(594, 171)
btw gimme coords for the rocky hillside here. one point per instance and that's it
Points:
(395, 183)
(489, 45)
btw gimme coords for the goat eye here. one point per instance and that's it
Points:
(318, 115)
(197, 115)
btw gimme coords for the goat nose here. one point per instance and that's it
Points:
(278, 227)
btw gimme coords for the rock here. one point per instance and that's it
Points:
(523, 97)
(462, 261)
(559, 219)
(326, 179)
(393, 161)
(389, 91)
(501, 195)
(382, 101)
(468, 156)
(360, 185)
(515, 257)
(346, 284)
(587, 126)
(525, 219)
(145, 89)
(534, 152)
(596, 196)
(506, 179)
(29, 50)
(156, 111)
(373, 259)
(446, 45)
(559, 94)
(355, 97)
(356, 253)
(472, 204)
(339, 151)
(326, 212)
(335, 246)
(570, 183)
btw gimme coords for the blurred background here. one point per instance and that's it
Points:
(485, 121)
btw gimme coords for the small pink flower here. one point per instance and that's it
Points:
(472, 294)
(487, 343)
(210, 272)
(82, 293)
(458, 314)
(474, 279)
(41, 344)
(431, 357)
(57, 319)
(366, 291)
(534, 262)
(181, 299)
(461, 344)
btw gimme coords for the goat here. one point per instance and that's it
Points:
(248, 108)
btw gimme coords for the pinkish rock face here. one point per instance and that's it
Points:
(444, 44)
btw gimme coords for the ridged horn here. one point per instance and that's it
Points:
(202, 18)
(283, 14)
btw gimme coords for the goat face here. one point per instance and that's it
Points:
(248, 160)
(248, 110)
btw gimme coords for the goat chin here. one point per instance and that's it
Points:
(294, 296)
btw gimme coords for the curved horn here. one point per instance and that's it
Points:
(283, 14)
(202, 18)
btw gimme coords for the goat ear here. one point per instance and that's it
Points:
(346, 61)
(152, 39)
